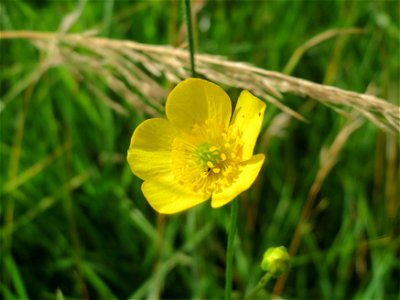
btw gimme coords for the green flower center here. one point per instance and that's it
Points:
(208, 159)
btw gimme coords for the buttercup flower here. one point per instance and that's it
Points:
(200, 150)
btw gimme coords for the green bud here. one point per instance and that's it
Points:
(275, 261)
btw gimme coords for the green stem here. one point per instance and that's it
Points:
(260, 285)
(107, 16)
(189, 28)
(229, 256)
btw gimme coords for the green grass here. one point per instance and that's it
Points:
(74, 223)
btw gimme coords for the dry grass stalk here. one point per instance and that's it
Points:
(392, 176)
(329, 158)
(130, 68)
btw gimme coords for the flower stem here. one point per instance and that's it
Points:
(229, 256)
(189, 28)
(260, 285)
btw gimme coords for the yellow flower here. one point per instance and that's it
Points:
(199, 151)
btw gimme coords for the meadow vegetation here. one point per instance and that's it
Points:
(78, 76)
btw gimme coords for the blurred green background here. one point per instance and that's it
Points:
(74, 223)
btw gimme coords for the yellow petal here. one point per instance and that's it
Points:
(196, 101)
(149, 153)
(248, 117)
(250, 170)
(167, 196)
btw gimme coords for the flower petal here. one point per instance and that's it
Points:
(194, 101)
(149, 153)
(167, 196)
(249, 173)
(248, 117)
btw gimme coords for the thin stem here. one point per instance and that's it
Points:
(189, 28)
(229, 256)
(260, 285)
(107, 17)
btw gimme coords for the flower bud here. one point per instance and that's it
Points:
(275, 261)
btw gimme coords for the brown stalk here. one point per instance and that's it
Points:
(329, 159)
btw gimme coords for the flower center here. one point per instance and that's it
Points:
(208, 158)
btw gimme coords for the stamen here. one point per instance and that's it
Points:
(203, 174)
(208, 159)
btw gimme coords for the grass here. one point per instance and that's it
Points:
(74, 223)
